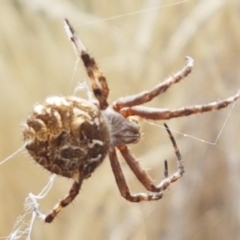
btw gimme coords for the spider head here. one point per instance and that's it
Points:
(122, 130)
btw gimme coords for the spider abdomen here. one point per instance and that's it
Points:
(67, 136)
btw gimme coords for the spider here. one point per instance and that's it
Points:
(71, 136)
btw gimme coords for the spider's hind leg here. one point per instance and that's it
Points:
(98, 81)
(64, 202)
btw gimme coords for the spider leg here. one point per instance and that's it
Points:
(98, 81)
(64, 202)
(141, 174)
(164, 113)
(147, 96)
(122, 184)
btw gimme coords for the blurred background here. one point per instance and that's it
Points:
(137, 44)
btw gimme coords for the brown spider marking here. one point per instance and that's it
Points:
(70, 136)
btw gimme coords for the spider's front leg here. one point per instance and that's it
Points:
(147, 96)
(142, 175)
(165, 113)
(122, 184)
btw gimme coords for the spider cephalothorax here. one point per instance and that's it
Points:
(71, 136)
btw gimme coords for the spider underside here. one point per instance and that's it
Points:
(71, 136)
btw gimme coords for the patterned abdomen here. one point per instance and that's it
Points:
(67, 135)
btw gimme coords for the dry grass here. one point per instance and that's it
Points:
(135, 52)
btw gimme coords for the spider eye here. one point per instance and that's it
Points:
(122, 130)
(130, 132)
(134, 119)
